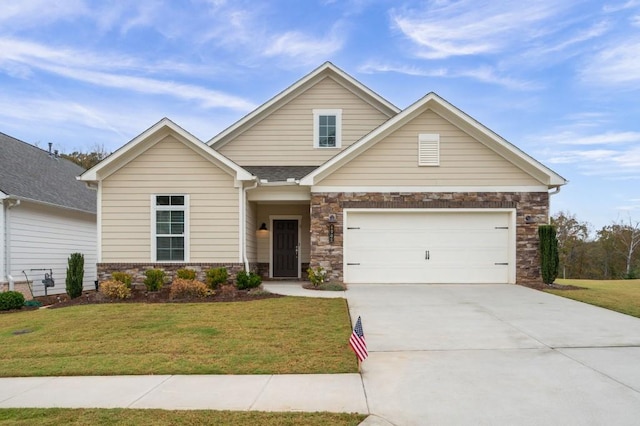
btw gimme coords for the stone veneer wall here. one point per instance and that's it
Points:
(329, 256)
(137, 270)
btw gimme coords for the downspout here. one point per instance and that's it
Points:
(557, 190)
(243, 224)
(11, 202)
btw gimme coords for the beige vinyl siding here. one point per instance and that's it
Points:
(463, 161)
(170, 167)
(252, 226)
(285, 137)
(266, 210)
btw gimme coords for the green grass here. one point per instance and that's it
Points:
(271, 336)
(618, 295)
(94, 416)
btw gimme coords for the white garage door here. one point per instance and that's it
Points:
(428, 247)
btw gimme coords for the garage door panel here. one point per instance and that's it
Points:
(414, 247)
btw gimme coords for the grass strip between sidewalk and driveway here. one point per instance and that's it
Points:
(96, 416)
(272, 336)
(618, 295)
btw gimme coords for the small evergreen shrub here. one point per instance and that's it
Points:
(75, 275)
(32, 304)
(188, 289)
(154, 280)
(10, 300)
(115, 290)
(123, 277)
(549, 260)
(216, 276)
(248, 280)
(186, 274)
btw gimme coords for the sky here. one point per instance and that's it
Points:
(558, 79)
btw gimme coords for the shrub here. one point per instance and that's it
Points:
(115, 290)
(216, 276)
(75, 275)
(10, 300)
(184, 289)
(123, 277)
(154, 280)
(246, 280)
(549, 260)
(317, 276)
(186, 274)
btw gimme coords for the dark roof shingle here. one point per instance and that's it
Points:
(279, 173)
(32, 173)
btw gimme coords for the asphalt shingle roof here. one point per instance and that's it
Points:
(30, 172)
(279, 173)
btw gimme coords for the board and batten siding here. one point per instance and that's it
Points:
(285, 137)
(43, 237)
(169, 167)
(463, 161)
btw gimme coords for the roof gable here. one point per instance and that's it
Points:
(325, 70)
(458, 118)
(30, 173)
(149, 138)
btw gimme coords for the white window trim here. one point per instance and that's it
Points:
(154, 208)
(429, 142)
(316, 127)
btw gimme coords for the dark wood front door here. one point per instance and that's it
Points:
(285, 248)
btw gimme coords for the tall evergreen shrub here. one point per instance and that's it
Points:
(549, 261)
(75, 275)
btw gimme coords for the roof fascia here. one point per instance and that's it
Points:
(325, 70)
(149, 138)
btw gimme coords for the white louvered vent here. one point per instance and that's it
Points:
(428, 149)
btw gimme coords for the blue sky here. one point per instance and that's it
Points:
(559, 79)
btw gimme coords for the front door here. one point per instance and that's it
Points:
(285, 248)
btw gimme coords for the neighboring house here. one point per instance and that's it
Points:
(46, 214)
(328, 173)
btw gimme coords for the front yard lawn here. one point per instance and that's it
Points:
(271, 336)
(617, 295)
(95, 416)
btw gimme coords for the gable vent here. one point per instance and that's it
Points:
(428, 149)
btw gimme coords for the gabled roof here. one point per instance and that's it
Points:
(458, 118)
(323, 71)
(149, 138)
(31, 173)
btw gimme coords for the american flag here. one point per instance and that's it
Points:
(357, 342)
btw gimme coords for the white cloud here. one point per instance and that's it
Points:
(35, 13)
(301, 46)
(616, 64)
(20, 57)
(485, 74)
(462, 28)
(606, 138)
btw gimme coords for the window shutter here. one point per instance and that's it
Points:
(428, 149)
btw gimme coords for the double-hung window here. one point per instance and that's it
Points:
(327, 128)
(170, 227)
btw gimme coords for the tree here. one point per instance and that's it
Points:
(75, 275)
(572, 237)
(86, 160)
(548, 253)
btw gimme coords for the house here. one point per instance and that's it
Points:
(328, 173)
(45, 215)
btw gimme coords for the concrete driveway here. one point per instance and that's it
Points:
(495, 355)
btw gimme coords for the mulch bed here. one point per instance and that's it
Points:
(564, 287)
(224, 294)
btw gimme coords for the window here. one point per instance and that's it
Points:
(428, 149)
(327, 128)
(169, 226)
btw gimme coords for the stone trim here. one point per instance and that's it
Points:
(137, 270)
(330, 255)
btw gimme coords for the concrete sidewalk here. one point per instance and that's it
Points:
(338, 393)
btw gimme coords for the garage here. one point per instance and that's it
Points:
(429, 246)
